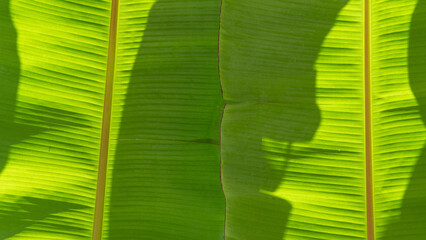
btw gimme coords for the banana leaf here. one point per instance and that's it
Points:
(236, 120)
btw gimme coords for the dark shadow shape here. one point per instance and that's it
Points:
(29, 210)
(141, 176)
(253, 212)
(411, 224)
(290, 95)
(9, 80)
(166, 172)
(12, 132)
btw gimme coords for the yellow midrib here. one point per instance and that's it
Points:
(106, 123)
(368, 141)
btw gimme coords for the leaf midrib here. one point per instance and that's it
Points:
(106, 124)
(368, 138)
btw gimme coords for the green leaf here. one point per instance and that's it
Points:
(256, 130)
(52, 73)
(164, 169)
(399, 118)
(292, 131)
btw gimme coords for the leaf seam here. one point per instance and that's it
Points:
(221, 120)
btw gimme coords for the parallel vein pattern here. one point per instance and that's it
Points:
(165, 181)
(52, 71)
(292, 132)
(399, 53)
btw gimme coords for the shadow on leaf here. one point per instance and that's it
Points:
(268, 53)
(411, 222)
(28, 211)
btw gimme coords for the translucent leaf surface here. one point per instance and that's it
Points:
(52, 73)
(235, 120)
